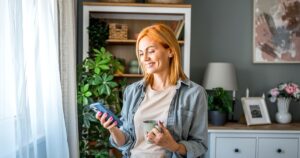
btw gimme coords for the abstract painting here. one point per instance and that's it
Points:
(276, 31)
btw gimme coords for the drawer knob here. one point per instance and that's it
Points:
(279, 150)
(236, 150)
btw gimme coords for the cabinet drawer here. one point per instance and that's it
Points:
(278, 147)
(235, 147)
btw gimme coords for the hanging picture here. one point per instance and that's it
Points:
(276, 31)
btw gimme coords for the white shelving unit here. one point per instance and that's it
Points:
(138, 15)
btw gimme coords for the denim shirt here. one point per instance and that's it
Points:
(187, 118)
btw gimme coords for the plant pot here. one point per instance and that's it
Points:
(217, 118)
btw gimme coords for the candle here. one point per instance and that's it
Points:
(247, 92)
(233, 94)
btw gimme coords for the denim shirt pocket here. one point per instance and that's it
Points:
(187, 116)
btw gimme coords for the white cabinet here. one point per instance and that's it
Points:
(278, 147)
(235, 147)
(266, 141)
(137, 16)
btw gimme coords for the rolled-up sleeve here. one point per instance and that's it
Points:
(128, 141)
(196, 144)
(125, 127)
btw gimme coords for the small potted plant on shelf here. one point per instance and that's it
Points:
(219, 106)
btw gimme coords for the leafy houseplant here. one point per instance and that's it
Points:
(219, 105)
(98, 34)
(95, 77)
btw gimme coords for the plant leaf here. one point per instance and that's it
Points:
(90, 117)
(86, 122)
(110, 77)
(85, 101)
(85, 88)
(97, 70)
(104, 67)
(88, 94)
(107, 89)
(104, 61)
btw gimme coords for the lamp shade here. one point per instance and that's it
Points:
(220, 75)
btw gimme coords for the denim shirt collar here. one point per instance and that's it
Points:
(187, 82)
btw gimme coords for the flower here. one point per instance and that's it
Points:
(285, 90)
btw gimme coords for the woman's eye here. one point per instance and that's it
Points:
(141, 54)
(151, 51)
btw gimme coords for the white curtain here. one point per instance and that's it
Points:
(67, 55)
(31, 114)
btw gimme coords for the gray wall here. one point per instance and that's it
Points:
(222, 32)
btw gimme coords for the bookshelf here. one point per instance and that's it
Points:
(137, 16)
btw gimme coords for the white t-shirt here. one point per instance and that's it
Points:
(155, 106)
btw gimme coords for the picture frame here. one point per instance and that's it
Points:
(255, 110)
(276, 31)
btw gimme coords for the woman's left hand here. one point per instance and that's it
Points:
(163, 138)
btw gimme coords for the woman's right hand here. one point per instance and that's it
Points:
(111, 125)
(106, 123)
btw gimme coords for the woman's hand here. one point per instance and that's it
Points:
(111, 125)
(106, 123)
(165, 139)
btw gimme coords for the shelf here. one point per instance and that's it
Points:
(129, 75)
(138, 16)
(129, 41)
(137, 4)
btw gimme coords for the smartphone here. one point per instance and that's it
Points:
(101, 107)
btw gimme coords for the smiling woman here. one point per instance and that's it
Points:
(30, 95)
(176, 106)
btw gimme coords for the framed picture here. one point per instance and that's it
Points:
(276, 31)
(255, 111)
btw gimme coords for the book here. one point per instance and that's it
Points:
(179, 29)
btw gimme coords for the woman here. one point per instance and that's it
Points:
(166, 95)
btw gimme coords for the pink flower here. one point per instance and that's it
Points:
(274, 92)
(290, 89)
(297, 90)
(294, 85)
(285, 90)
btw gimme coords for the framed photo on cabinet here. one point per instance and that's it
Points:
(276, 31)
(255, 110)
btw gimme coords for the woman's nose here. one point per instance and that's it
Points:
(146, 57)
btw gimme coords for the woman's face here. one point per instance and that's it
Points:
(153, 56)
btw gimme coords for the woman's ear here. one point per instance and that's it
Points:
(170, 54)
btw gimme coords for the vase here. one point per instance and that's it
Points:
(283, 116)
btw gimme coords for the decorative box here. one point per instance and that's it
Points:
(118, 31)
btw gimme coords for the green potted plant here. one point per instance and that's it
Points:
(219, 106)
(98, 34)
(96, 82)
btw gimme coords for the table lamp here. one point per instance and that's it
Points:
(221, 74)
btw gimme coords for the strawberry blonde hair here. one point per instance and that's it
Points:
(163, 35)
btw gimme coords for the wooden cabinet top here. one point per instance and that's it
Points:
(272, 128)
